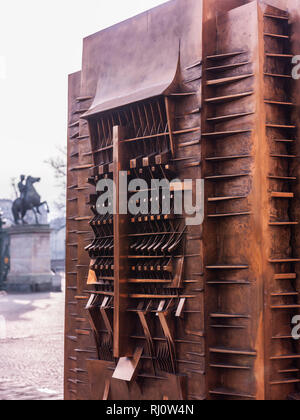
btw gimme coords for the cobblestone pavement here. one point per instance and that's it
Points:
(31, 346)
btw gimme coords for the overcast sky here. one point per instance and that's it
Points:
(40, 44)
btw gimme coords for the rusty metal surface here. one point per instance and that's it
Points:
(205, 314)
(137, 59)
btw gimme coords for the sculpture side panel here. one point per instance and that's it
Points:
(251, 265)
(79, 343)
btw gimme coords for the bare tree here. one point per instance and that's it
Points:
(13, 184)
(59, 165)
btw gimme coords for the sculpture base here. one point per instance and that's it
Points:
(30, 269)
(33, 283)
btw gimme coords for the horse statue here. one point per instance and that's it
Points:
(29, 200)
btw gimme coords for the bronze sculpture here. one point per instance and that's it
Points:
(213, 319)
(29, 200)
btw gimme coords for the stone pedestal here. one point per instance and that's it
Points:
(30, 269)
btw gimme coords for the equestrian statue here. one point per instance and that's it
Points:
(29, 200)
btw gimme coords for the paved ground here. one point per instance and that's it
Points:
(31, 346)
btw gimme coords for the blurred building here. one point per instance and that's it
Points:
(5, 206)
(58, 243)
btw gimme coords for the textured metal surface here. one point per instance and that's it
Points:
(158, 309)
(249, 140)
(126, 330)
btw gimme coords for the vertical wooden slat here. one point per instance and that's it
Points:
(121, 321)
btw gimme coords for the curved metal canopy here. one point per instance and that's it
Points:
(139, 59)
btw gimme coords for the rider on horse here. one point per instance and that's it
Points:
(22, 187)
(29, 200)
